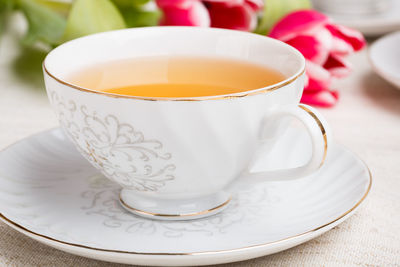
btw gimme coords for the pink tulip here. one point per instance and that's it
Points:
(229, 14)
(324, 45)
(184, 13)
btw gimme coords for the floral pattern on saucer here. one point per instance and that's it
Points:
(102, 201)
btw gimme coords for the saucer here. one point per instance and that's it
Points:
(51, 194)
(384, 55)
(374, 24)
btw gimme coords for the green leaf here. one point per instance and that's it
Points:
(129, 3)
(274, 10)
(45, 25)
(91, 16)
(6, 7)
(137, 17)
(27, 66)
(60, 7)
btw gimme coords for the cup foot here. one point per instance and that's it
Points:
(175, 210)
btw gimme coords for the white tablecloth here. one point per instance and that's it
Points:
(366, 120)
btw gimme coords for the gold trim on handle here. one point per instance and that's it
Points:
(200, 98)
(323, 131)
(147, 213)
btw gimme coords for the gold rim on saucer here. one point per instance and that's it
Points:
(38, 236)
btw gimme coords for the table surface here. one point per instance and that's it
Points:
(366, 120)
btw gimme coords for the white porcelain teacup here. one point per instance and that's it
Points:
(177, 158)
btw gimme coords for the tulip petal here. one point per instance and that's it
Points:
(175, 3)
(256, 5)
(227, 3)
(317, 84)
(352, 37)
(237, 17)
(195, 15)
(318, 77)
(321, 98)
(315, 48)
(307, 45)
(337, 66)
(341, 47)
(296, 23)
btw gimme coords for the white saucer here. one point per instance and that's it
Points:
(372, 25)
(384, 55)
(50, 193)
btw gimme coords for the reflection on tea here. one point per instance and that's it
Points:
(175, 77)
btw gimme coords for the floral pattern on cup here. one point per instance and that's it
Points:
(121, 152)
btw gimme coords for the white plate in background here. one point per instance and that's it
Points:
(384, 56)
(371, 24)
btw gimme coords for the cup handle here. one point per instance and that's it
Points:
(320, 137)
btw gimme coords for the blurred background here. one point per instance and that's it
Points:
(327, 33)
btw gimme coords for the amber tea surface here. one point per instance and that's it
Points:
(175, 77)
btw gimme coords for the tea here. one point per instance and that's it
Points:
(175, 77)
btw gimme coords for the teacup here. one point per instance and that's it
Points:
(178, 158)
